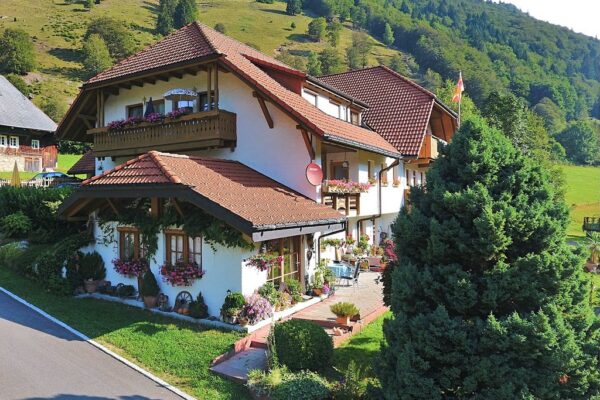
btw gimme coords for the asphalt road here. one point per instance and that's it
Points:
(40, 360)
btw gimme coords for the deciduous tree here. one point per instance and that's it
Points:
(581, 142)
(96, 57)
(316, 29)
(331, 62)
(17, 54)
(293, 7)
(314, 64)
(117, 37)
(488, 300)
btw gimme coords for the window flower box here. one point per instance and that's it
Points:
(150, 119)
(132, 268)
(183, 273)
(343, 186)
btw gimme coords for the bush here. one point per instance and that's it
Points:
(303, 345)
(17, 52)
(125, 291)
(294, 288)
(256, 309)
(16, 225)
(344, 309)
(351, 386)
(198, 308)
(262, 383)
(220, 27)
(9, 254)
(149, 285)
(304, 385)
(234, 301)
(269, 292)
(91, 266)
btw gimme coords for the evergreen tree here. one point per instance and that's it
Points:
(186, 12)
(165, 19)
(316, 29)
(388, 35)
(96, 57)
(293, 7)
(333, 33)
(314, 65)
(89, 4)
(489, 302)
(331, 62)
(398, 65)
(220, 27)
(17, 54)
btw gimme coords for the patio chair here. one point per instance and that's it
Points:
(354, 277)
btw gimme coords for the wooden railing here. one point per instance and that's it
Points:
(591, 224)
(342, 202)
(209, 129)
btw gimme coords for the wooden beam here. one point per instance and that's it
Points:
(111, 90)
(87, 123)
(87, 117)
(125, 86)
(164, 78)
(209, 87)
(216, 86)
(177, 207)
(112, 206)
(308, 143)
(138, 83)
(79, 207)
(155, 207)
(178, 75)
(191, 71)
(265, 110)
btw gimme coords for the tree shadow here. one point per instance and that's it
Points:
(141, 28)
(299, 53)
(152, 7)
(149, 329)
(65, 396)
(299, 37)
(66, 54)
(273, 11)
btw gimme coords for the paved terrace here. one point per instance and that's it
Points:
(249, 352)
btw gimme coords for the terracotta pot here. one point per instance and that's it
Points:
(342, 320)
(90, 286)
(150, 301)
(243, 321)
(317, 291)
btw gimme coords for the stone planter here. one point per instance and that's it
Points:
(342, 320)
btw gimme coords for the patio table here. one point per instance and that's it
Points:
(341, 269)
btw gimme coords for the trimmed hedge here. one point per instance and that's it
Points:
(302, 345)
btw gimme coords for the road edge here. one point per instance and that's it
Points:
(100, 347)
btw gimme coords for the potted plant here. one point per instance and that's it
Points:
(234, 301)
(149, 290)
(343, 312)
(255, 309)
(198, 308)
(91, 270)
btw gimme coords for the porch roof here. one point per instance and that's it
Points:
(228, 190)
(85, 165)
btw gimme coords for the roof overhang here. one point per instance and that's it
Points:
(86, 199)
(337, 92)
(351, 143)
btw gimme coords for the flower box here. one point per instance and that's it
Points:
(131, 268)
(345, 187)
(182, 273)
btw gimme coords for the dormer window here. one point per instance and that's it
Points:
(311, 97)
(336, 109)
(354, 119)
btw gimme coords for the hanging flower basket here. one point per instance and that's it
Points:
(343, 186)
(264, 262)
(183, 273)
(131, 269)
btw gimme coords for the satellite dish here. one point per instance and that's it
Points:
(314, 174)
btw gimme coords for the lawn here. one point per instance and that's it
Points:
(582, 195)
(175, 351)
(65, 161)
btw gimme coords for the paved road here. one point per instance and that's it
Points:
(40, 360)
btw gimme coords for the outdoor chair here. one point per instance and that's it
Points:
(354, 277)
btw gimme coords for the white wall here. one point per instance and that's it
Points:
(325, 105)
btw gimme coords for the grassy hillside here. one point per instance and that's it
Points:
(57, 28)
(582, 195)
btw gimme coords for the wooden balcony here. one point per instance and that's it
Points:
(342, 202)
(591, 224)
(202, 130)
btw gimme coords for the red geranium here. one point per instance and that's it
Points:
(183, 273)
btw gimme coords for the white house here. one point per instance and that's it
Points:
(247, 141)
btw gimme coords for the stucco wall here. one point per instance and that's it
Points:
(7, 162)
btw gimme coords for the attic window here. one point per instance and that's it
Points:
(311, 97)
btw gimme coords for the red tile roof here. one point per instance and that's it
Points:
(85, 165)
(231, 185)
(399, 109)
(195, 41)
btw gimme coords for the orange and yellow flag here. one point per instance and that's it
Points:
(460, 88)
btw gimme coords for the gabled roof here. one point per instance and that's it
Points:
(229, 189)
(197, 41)
(85, 165)
(16, 111)
(399, 109)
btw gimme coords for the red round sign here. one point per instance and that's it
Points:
(314, 174)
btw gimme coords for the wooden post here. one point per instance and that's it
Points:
(209, 87)
(155, 207)
(217, 86)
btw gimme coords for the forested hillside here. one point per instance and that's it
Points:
(545, 70)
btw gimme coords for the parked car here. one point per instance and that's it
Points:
(54, 178)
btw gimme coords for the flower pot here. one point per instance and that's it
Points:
(317, 291)
(243, 321)
(90, 286)
(342, 320)
(150, 301)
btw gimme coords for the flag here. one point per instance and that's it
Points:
(460, 88)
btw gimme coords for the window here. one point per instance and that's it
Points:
(203, 99)
(180, 246)
(414, 178)
(336, 109)
(13, 142)
(135, 110)
(289, 248)
(339, 170)
(32, 164)
(395, 171)
(131, 246)
(3, 141)
(311, 97)
(371, 170)
(159, 106)
(35, 144)
(354, 118)
(384, 175)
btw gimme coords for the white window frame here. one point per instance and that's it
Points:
(312, 94)
(35, 144)
(3, 141)
(10, 142)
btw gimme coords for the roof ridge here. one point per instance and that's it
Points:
(200, 27)
(115, 169)
(192, 157)
(405, 79)
(155, 156)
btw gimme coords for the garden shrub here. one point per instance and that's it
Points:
(9, 254)
(16, 225)
(233, 303)
(269, 292)
(149, 285)
(125, 291)
(351, 386)
(91, 266)
(262, 383)
(303, 345)
(294, 288)
(304, 385)
(198, 308)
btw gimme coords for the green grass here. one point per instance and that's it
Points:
(175, 351)
(582, 196)
(65, 162)
(362, 348)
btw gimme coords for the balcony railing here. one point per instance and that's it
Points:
(342, 202)
(202, 130)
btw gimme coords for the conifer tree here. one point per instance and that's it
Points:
(489, 302)
(186, 12)
(313, 67)
(293, 7)
(165, 19)
(388, 35)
